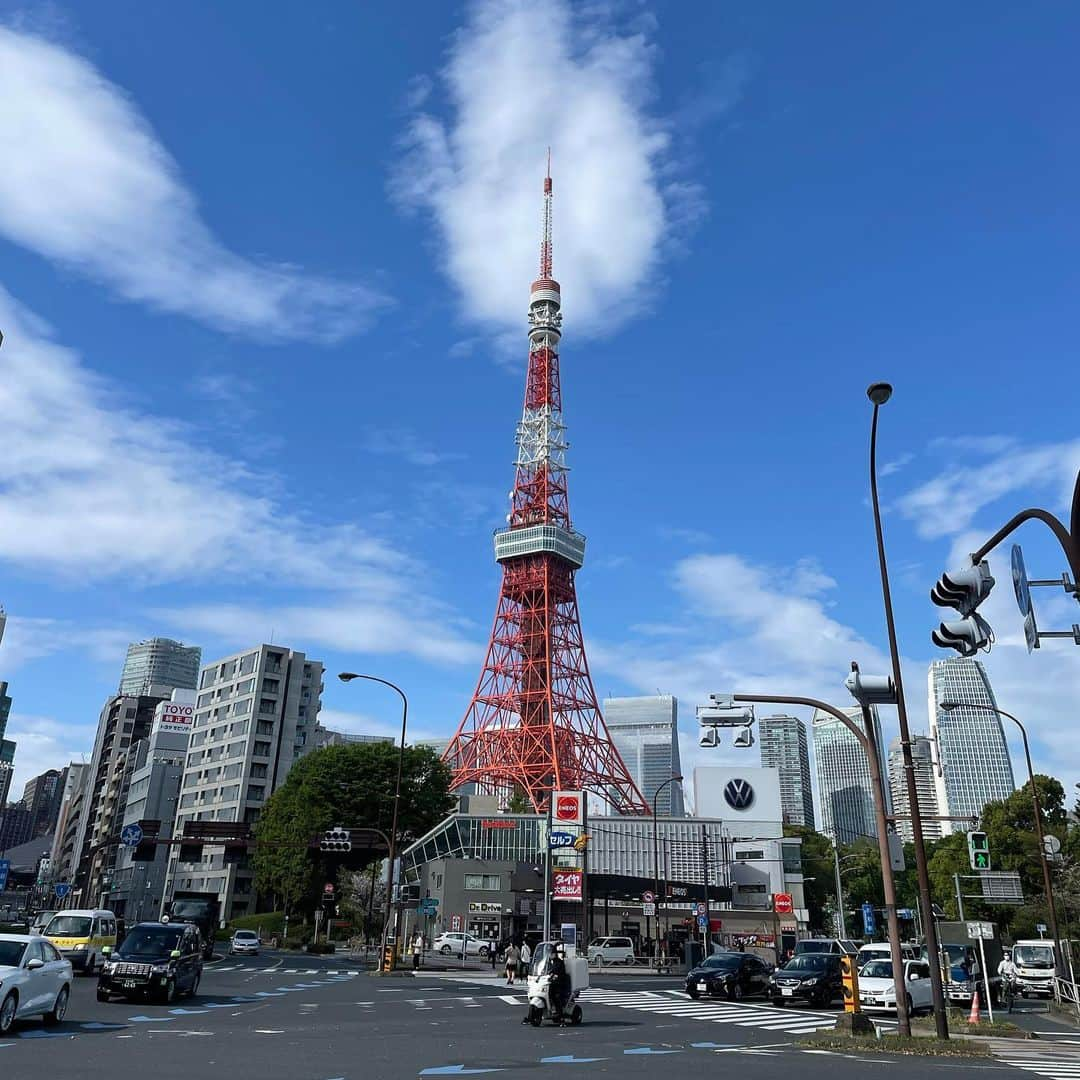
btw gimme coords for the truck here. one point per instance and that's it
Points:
(963, 958)
(202, 909)
(1035, 970)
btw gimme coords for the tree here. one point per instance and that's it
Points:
(351, 785)
(817, 862)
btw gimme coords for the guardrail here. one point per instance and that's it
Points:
(1067, 993)
(646, 963)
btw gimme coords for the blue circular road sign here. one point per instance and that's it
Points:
(1020, 580)
(131, 836)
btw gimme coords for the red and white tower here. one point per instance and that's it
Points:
(534, 724)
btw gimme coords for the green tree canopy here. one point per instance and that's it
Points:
(817, 863)
(353, 786)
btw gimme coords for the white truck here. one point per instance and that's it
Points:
(1034, 963)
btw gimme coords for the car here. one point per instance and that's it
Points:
(82, 936)
(839, 946)
(732, 975)
(451, 942)
(157, 960)
(40, 921)
(877, 990)
(244, 941)
(611, 950)
(881, 950)
(35, 980)
(813, 977)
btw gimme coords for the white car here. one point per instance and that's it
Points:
(611, 950)
(877, 991)
(35, 980)
(244, 941)
(450, 942)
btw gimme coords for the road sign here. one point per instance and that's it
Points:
(1051, 844)
(976, 930)
(648, 909)
(700, 909)
(62, 888)
(702, 922)
(782, 903)
(131, 835)
(868, 921)
(1020, 580)
(5, 869)
(1040, 928)
(905, 913)
(328, 888)
(648, 896)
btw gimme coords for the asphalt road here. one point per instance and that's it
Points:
(280, 1017)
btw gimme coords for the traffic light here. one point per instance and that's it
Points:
(336, 840)
(978, 851)
(964, 590)
(709, 738)
(743, 738)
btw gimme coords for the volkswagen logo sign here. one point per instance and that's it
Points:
(738, 794)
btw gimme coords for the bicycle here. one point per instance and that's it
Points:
(1008, 993)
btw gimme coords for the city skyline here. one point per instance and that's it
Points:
(330, 428)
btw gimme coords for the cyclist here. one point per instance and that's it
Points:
(1007, 971)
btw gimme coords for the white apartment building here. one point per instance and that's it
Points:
(925, 788)
(255, 716)
(784, 748)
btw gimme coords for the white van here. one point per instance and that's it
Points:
(611, 950)
(80, 934)
(881, 950)
(1035, 971)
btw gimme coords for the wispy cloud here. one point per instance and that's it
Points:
(588, 94)
(44, 742)
(407, 445)
(86, 182)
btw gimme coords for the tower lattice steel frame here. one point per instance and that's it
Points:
(534, 724)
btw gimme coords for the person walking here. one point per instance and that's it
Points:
(526, 957)
(513, 958)
(417, 951)
(493, 951)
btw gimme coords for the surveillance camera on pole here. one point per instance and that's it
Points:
(709, 738)
(871, 689)
(744, 738)
(964, 590)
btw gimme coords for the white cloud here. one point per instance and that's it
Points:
(517, 80)
(42, 743)
(86, 182)
(407, 445)
(949, 502)
(28, 639)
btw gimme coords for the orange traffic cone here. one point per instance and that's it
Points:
(973, 1018)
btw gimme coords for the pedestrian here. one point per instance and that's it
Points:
(523, 963)
(493, 951)
(417, 951)
(513, 957)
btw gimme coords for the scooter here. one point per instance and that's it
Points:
(540, 985)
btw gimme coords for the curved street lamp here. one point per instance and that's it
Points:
(348, 676)
(656, 861)
(948, 706)
(879, 393)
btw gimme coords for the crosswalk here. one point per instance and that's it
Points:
(284, 970)
(1054, 1060)
(674, 1003)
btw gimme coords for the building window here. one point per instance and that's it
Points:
(484, 882)
(752, 888)
(262, 749)
(258, 771)
(749, 854)
(256, 792)
(247, 663)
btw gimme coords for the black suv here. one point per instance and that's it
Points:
(156, 960)
(813, 977)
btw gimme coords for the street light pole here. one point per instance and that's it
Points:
(348, 676)
(879, 393)
(656, 862)
(839, 890)
(948, 706)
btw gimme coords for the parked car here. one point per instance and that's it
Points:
(877, 991)
(813, 977)
(732, 975)
(841, 947)
(244, 942)
(611, 950)
(35, 980)
(156, 960)
(452, 942)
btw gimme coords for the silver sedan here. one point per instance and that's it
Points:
(35, 980)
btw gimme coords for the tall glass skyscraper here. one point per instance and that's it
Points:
(925, 789)
(783, 747)
(645, 731)
(845, 793)
(160, 662)
(971, 747)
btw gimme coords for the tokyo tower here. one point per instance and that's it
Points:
(534, 724)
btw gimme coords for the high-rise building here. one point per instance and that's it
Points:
(7, 747)
(124, 720)
(975, 767)
(845, 792)
(784, 747)
(645, 731)
(63, 858)
(327, 737)
(925, 788)
(41, 796)
(14, 826)
(255, 715)
(156, 766)
(158, 665)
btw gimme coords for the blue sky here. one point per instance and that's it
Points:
(263, 276)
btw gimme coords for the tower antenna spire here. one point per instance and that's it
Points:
(545, 242)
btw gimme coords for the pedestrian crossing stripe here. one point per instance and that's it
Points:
(345, 972)
(738, 1014)
(1054, 1061)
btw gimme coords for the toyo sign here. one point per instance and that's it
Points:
(175, 718)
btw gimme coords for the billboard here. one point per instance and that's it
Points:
(568, 807)
(174, 718)
(566, 884)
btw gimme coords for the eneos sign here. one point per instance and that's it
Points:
(568, 807)
(782, 904)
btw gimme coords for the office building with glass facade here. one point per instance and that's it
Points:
(845, 791)
(784, 748)
(160, 663)
(645, 732)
